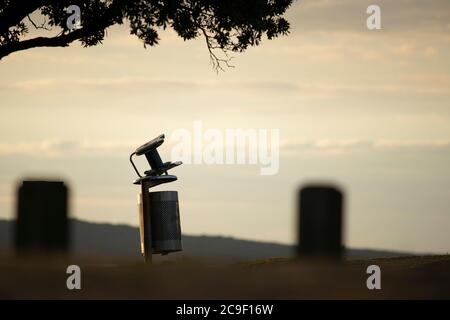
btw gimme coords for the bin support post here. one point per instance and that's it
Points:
(146, 227)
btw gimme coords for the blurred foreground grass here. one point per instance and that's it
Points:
(44, 277)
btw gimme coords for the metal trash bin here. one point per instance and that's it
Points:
(159, 213)
(165, 222)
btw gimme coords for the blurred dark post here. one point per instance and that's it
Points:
(320, 223)
(42, 223)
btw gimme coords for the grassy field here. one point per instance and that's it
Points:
(423, 277)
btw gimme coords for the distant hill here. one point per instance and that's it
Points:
(122, 241)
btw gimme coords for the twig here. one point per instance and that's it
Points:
(42, 26)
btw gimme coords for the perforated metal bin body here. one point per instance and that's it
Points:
(165, 222)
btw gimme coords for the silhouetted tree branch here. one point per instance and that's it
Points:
(226, 25)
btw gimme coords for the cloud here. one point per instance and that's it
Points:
(410, 16)
(436, 84)
(136, 82)
(111, 83)
(436, 80)
(69, 148)
(343, 146)
(64, 148)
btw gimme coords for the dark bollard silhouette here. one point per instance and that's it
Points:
(42, 224)
(320, 222)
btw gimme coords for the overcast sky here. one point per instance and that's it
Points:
(368, 110)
